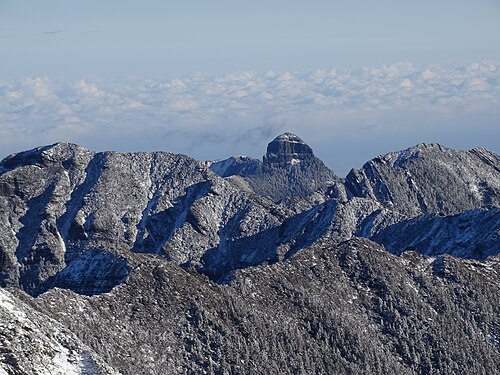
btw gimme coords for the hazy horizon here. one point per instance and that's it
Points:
(217, 79)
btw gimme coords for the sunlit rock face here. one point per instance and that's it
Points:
(430, 178)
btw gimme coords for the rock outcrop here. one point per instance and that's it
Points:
(285, 150)
(74, 218)
(290, 170)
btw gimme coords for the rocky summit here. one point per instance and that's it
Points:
(155, 263)
(286, 149)
(290, 170)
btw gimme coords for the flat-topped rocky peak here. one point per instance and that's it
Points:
(287, 149)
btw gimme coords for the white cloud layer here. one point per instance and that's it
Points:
(347, 116)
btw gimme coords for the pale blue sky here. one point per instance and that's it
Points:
(157, 38)
(217, 78)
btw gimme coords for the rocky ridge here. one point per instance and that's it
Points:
(430, 178)
(235, 166)
(73, 218)
(142, 231)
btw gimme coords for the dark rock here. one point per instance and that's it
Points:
(290, 170)
(285, 150)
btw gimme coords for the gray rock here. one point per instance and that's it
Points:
(286, 150)
(74, 218)
(236, 166)
(290, 170)
(430, 179)
(63, 205)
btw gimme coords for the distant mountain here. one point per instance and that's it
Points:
(430, 178)
(433, 199)
(290, 169)
(236, 166)
(123, 243)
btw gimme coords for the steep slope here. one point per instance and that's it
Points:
(430, 178)
(117, 248)
(424, 196)
(73, 218)
(33, 343)
(333, 308)
(397, 187)
(471, 234)
(290, 169)
(61, 202)
(390, 199)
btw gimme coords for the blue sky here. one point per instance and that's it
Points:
(115, 37)
(85, 57)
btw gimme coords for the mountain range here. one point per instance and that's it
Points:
(155, 263)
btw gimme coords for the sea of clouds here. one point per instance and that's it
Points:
(347, 116)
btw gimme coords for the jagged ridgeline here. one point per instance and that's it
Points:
(158, 263)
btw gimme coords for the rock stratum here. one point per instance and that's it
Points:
(157, 263)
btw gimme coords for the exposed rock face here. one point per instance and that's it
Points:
(118, 247)
(63, 206)
(285, 150)
(74, 218)
(290, 170)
